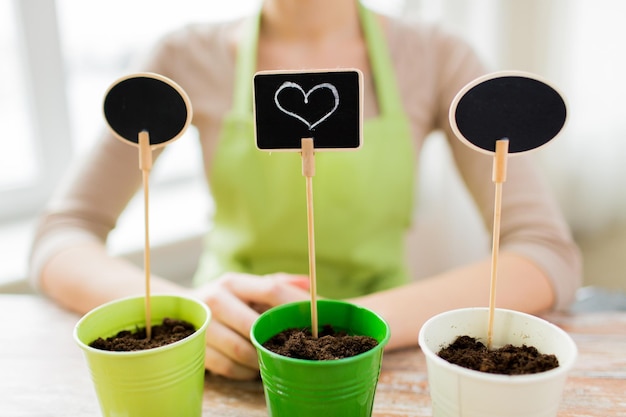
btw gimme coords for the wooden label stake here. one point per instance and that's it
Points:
(499, 177)
(308, 171)
(145, 164)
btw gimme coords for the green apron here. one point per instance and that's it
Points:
(362, 199)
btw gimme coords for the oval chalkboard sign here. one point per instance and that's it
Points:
(513, 105)
(147, 102)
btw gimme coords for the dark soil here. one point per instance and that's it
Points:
(329, 345)
(469, 353)
(169, 331)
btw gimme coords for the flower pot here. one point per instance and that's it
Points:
(310, 388)
(456, 391)
(165, 381)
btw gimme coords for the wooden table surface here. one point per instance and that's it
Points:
(43, 372)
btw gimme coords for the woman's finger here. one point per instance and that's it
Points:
(217, 363)
(232, 345)
(271, 290)
(228, 309)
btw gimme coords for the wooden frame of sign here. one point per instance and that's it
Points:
(308, 111)
(149, 111)
(502, 113)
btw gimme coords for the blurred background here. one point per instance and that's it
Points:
(60, 56)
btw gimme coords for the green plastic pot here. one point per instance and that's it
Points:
(332, 388)
(161, 382)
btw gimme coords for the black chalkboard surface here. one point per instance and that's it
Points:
(511, 105)
(147, 102)
(324, 105)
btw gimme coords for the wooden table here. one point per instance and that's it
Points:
(43, 373)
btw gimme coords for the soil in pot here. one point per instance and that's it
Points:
(330, 344)
(169, 331)
(469, 353)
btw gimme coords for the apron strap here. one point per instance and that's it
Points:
(245, 66)
(387, 93)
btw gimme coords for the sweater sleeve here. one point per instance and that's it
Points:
(86, 205)
(432, 66)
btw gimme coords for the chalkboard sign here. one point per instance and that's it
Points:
(517, 106)
(150, 103)
(324, 105)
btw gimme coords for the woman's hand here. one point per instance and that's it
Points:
(236, 300)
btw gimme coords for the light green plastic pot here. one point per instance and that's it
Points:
(161, 382)
(307, 388)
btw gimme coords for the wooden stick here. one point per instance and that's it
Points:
(498, 177)
(145, 164)
(308, 171)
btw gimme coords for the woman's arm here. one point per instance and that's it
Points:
(83, 276)
(521, 286)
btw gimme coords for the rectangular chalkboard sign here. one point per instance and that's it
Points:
(325, 105)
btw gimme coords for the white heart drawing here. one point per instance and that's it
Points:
(290, 84)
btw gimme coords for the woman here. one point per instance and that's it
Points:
(256, 256)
